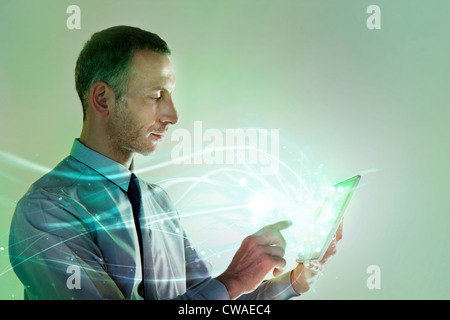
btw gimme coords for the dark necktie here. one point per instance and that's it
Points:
(134, 194)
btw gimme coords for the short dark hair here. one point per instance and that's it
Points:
(106, 57)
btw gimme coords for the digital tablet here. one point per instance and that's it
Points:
(326, 220)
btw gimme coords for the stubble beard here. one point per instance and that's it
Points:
(126, 136)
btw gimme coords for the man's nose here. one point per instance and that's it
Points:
(168, 113)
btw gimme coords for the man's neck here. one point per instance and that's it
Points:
(118, 154)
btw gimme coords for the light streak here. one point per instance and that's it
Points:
(253, 199)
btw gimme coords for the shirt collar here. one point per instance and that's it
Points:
(112, 170)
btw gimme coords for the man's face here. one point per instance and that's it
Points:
(140, 120)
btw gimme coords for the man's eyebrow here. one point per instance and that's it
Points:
(157, 88)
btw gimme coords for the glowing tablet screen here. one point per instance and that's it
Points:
(326, 220)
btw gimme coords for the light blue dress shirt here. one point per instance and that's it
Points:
(73, 237)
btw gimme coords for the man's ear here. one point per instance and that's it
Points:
(99, 98)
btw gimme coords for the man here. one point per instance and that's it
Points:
(90, 229)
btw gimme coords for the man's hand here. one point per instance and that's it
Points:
(258, 254)
(305, 275)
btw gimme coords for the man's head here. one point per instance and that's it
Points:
(107, 55)
(125, 81)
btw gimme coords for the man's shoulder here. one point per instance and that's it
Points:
(50, 185)
(51, 196)
(65, 172)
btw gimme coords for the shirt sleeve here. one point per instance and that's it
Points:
(53, 254)
(199, 284)
(209, 289)
(279, 288)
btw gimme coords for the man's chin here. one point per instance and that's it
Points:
(144, 153)
(141, 151)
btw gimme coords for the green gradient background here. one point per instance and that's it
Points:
(350, 98)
